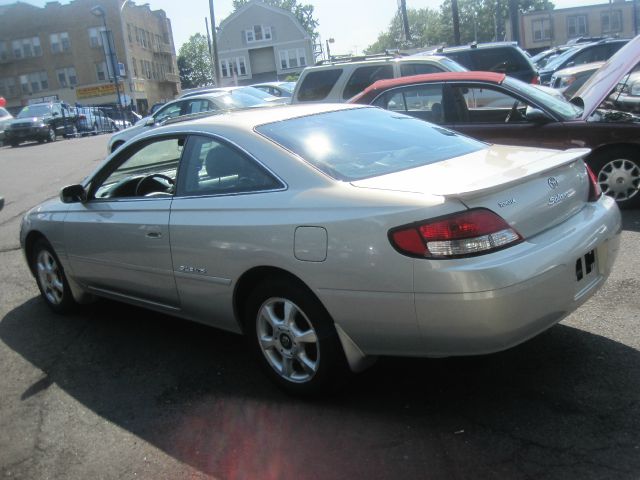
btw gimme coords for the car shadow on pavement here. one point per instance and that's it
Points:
(563, 405)
(631, 220)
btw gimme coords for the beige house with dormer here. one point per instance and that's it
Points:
(260, 43)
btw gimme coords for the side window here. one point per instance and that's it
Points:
(149, 170)
(422, 101)
(317, 85)
(463, 58)
(362, 77)
(167, 112)
(483, 105)
(585, 56)
(197, 106)
(211, 167)
(502, 60)
(408, 69)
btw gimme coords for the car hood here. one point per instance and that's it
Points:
(604, 80)
(25, 120)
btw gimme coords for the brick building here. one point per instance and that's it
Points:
(56, 52)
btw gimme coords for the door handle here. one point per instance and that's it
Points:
(154, 235)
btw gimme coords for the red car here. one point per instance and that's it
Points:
(500, 109)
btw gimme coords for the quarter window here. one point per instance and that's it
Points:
(317, 85)
(362, 77)
(408, 69)
(211, 167)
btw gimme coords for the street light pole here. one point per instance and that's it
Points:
(110, 55)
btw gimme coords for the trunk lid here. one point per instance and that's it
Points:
(605, 79)
(532, 189)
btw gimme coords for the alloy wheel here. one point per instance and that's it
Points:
(50, 277)
(620, 179)
(288, 340)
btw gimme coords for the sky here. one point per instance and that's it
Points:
(353, 24)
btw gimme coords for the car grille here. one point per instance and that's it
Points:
(22, 125)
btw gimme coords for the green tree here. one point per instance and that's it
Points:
(304, 13)
(194, 62)
(481, 20)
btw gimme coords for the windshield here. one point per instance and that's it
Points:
(255, 92)
(237, 99)
(562, 108)
(34, 111)
(354, 144)
(288, 86)
(554, 62)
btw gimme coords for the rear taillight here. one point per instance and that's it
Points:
(595, 192)
(474, 232)
(535, 80)
(82, 117)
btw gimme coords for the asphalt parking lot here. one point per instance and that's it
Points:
(116, 392)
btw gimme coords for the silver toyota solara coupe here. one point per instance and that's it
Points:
(330, 235)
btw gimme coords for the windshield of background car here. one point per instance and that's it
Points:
(255, 92)
(354, 144)
(554, 62)
(288, 86)
(239, 99)
(34, 111)
(562, 108)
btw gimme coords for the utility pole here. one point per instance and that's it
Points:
(515, 23)
(213, 68)
(214, 42)
(402, 4)
(456, 21)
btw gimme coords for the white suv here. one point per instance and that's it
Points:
(340, 80)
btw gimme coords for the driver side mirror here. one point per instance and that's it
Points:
(150, 122)
(536, 115)
(73, 194)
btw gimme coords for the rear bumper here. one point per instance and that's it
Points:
(488, 303)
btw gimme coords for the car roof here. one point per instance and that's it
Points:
(490, 77)
(248, 119)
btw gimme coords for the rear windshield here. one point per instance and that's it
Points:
(317, 85)
(354, 144)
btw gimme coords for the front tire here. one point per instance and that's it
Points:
(294, 338)
(51, 135)
(51, 278)
(618, 173)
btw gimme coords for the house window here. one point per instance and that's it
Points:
(258, 33)
(67, 77)
(101, 71)
(294, 58)
(26, 47)
(59, 42)
(611, 21)
(541, 29)
(135, 67)
(7, 87)
(95, 36)
(576, 25)
(34, 82)
(230, 65)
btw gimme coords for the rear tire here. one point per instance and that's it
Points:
(618, 173)
(51, 278)
(294, 338)
(51, 135)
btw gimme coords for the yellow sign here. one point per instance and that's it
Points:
(97, 90)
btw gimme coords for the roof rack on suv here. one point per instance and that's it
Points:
(388, 54)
